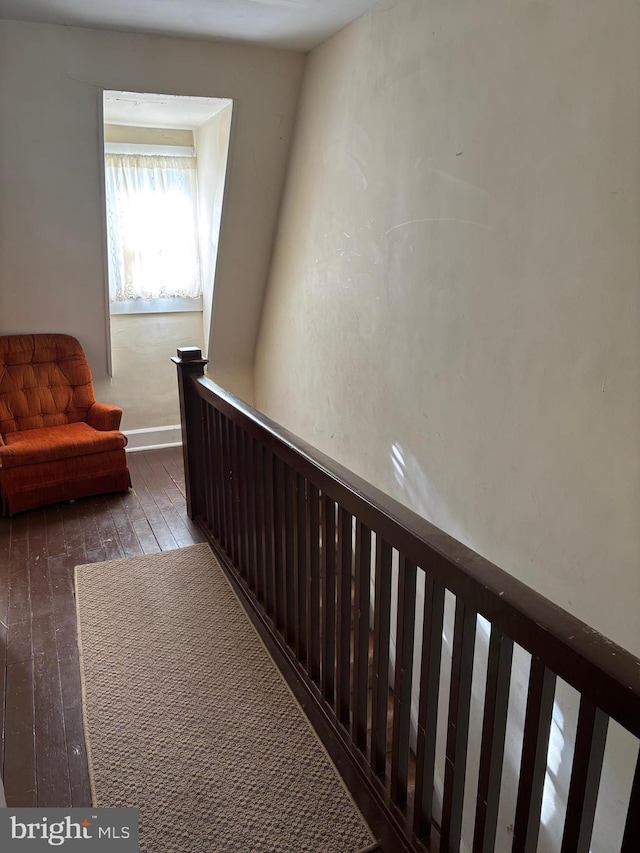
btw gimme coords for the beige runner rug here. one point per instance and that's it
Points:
(188, 718)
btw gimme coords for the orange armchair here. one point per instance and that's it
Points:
(56, 442)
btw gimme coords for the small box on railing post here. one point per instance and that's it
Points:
(189, 353)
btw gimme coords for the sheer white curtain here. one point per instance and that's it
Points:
(152, 227)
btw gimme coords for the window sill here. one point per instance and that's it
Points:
(156, 306)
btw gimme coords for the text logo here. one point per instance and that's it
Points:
(36, 830)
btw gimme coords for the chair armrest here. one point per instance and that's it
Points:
(103, 416)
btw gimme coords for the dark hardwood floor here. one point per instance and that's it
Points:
(44, 761)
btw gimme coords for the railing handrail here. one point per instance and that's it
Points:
(588, 661)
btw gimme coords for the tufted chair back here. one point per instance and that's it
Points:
(44, 381)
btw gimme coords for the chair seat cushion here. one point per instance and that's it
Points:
(48, 444)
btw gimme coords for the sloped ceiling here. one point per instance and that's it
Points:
(293, 24)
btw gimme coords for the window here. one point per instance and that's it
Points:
(152, 232)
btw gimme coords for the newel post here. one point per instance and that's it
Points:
(190, 363)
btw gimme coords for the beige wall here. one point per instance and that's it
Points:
(144, 382)
(125, 133)
(212, 149)
(452, 309)
(52, 270)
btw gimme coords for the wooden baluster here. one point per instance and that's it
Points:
(206, 510)
(228, 487)
(243, 544)
(207, 468)
(496, 707)
(458, 728)
(220, 479)
(258, 473)
(249, 513)
(313, 559)
(303, 570)
(361, 635)
(533, 766)
(213, 475)
(343, 648)
(407, 575)
(588, 757)
(233, 501)
(428, 707)
(631, 837)
(269, 535)
(233, 492)
(235, 486)
(380, 675)
(290, 555)
(328, 621)
(278, 544)
(251, 487)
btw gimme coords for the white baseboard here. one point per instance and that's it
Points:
(153, 438)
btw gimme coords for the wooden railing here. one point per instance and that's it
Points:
(351, 591)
